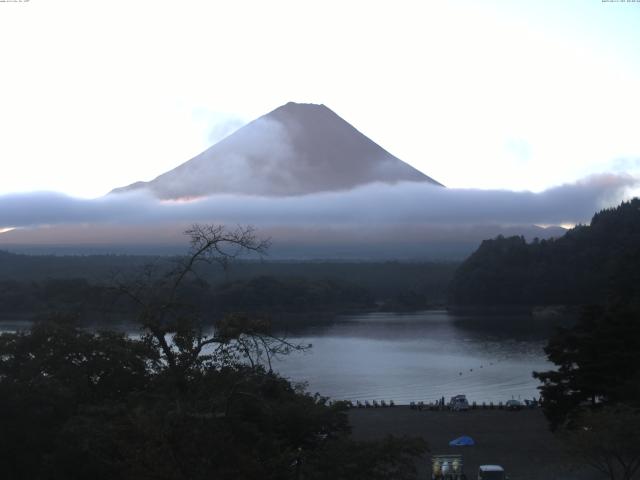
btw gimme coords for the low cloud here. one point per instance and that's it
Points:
(376, 204)
(406, 220)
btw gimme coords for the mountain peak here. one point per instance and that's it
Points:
(302, 106)
(296, 149)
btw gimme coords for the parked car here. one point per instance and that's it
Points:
(514, 405)
(458, 403)
(491, 472)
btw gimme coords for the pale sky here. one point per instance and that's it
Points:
(518, 95)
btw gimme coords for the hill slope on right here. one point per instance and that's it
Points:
(584, 266)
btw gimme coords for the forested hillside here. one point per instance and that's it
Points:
(585, 266)
(31, 285)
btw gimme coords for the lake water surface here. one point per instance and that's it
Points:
(421, 356)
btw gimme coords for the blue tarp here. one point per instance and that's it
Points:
(462, 442)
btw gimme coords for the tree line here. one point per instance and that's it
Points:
(31, 285)
(586, 265)
(101, 303)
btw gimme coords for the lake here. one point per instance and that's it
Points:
(415, 356)
(421, 356)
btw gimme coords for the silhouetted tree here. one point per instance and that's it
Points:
(176, 403)
(598, 363)
(175, 327)
(608, 440)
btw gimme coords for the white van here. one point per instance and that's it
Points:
(491, 472)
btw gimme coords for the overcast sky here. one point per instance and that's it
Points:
(518, 95)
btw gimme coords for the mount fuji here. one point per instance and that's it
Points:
(296, 149)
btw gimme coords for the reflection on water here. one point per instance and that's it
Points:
(415, 356)
(421, 356)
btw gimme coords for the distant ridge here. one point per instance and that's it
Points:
(296, 149)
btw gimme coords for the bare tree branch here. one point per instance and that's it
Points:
(174, 326)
